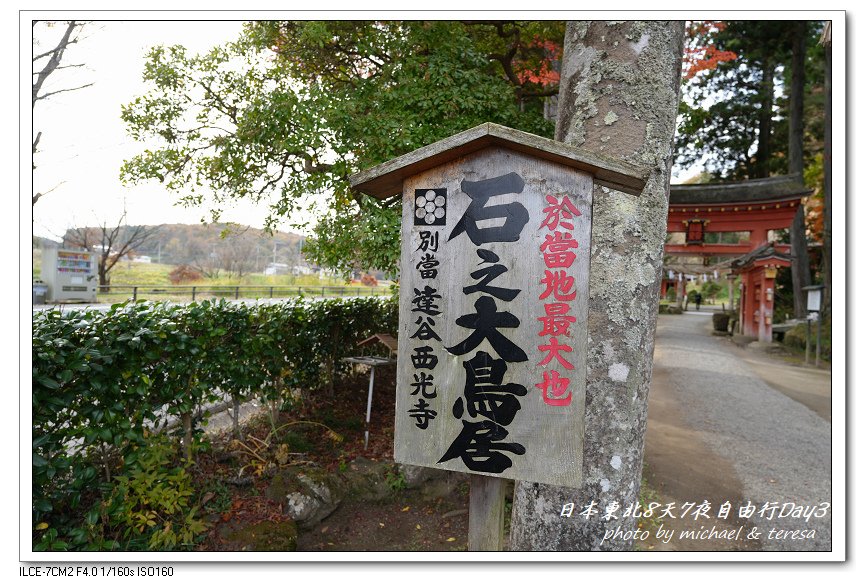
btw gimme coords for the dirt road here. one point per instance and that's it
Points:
(720, 432)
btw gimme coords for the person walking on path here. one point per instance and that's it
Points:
(698, 299)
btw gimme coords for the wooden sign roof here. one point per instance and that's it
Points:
(385, 180)
(384, 338)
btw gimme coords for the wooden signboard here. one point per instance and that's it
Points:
(494, 280)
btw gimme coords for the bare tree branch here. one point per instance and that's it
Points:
(46, 95)
(39, 195)
(36, 144)
(112, 243)
(54, 51)
(75, 66)
(54, 60)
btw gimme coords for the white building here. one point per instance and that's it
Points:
(276, 269)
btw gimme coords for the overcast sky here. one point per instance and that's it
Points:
(84, 142)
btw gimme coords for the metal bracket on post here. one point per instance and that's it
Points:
(373, 362)
(368, 406)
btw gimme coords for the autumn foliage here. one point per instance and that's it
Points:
(369, 280)
(184, 274)
(540, 71)
(700, 54)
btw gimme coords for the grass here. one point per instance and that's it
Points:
(129, 273)
(157, 274)
(647, 523)
(155, 277)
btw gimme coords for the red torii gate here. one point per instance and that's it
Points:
(754, 206)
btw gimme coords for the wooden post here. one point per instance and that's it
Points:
(730, 292)
(817, 351)
(486, 513)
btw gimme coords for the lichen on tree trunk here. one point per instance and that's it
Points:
(619, 96)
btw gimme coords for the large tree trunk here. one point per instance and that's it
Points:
(795, 159)
(801, 274)
(619, 97)
(767, 100)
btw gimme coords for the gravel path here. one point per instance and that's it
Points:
(780, 449)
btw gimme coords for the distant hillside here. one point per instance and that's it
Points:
(200, 244)
(40, 242)
(178, 244)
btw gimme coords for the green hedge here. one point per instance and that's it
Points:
(104, 380)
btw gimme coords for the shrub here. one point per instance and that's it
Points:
(795, 338)
(720, 321)
(671, 293)
(710, 289)
(184, 274)
(104, 381)
(150, 506)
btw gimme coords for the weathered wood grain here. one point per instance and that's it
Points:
(385, 180)
(552, 435)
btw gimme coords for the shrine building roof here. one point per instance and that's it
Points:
(772, 189)
(762, 253)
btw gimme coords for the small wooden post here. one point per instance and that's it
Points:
(817, 350)
(486, 513)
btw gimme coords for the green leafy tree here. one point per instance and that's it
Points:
(710, 290)
(291, 109)
(733, 116)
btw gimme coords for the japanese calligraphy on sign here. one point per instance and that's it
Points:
(494, 300)
(494, 282)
